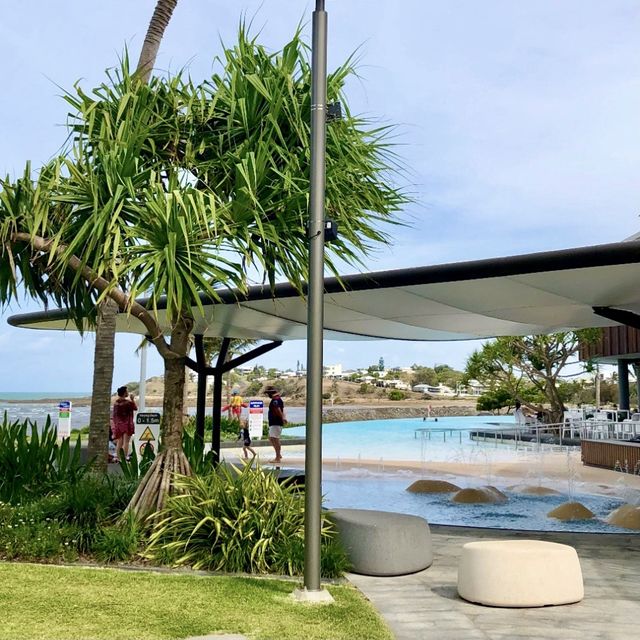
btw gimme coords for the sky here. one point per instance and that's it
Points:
(518, 122)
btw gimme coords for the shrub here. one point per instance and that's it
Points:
(119, 542)
(32, 464)
(87, 506)
(237, 519)
(228, 428)
(395, 394)
(365, 388)
(26, 534)
(132, 469)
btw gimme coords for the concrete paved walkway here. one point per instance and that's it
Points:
(426, 606)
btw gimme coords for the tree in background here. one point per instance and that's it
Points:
(516, 363)
(424, 375)
(449, 376)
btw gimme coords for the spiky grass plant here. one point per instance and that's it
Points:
(238, 519)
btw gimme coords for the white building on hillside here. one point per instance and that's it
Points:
(441, 390)
(332, 371)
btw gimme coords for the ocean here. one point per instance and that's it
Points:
(18, 396)
(20, 406)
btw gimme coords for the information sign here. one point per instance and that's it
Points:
(256, 417)
(64, 419)
(147, 432)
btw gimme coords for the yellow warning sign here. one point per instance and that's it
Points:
(147, 435)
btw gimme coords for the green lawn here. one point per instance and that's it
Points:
(40, 602)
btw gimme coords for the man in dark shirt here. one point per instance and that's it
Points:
(276, 421)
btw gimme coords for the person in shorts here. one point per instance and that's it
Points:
(246, 440)
(276, 421)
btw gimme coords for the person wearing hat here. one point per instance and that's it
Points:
(276, 421)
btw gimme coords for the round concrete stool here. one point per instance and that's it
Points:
(381, 543)
(519, 573)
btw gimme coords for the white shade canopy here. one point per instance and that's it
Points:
(517, 295)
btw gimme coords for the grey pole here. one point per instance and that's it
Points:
(315, 308)
(623, 385)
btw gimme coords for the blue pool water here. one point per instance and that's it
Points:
(396, 439)
(388, 492)
(386, 440)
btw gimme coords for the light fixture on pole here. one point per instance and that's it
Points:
(315, 314)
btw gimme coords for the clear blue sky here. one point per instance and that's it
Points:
(519, 121)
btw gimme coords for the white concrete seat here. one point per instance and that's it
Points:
(381, 543)
(519, 573)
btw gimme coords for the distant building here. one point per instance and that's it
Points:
(473, 388)
(432, 390)
(393, 384)
(332, 371)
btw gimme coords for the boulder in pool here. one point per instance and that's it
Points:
(479, 495)
(534, 490)
(627, 516)
(432, 486)
(571, 511)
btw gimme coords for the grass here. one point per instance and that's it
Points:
(41, 602)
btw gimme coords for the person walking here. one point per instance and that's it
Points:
(276, 421)
(245, 436)
(123, 427)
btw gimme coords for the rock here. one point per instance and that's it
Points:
(571, 511)
(534, 490)
(627, 516)
(480, 495)
(356, 413)
(432, 486)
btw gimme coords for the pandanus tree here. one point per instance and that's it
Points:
(177, 188)
(106, 311)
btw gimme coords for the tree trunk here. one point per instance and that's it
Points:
(556, 412)
(102, 380)
(159, 22)
(106, 335)
(158, 483)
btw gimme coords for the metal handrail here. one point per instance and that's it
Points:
(565, 431)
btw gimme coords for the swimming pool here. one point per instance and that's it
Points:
(360, 489)
(396, 440)
(384, 488)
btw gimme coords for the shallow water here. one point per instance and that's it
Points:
(359, 489)
(396, 440)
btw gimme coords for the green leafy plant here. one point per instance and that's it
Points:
(394, 394)
(132, 469)
(119, 542)
(88, 506)
(237, 519)
(27, 534)
(33, 462)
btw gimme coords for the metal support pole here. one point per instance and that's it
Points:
(315, 295)
(623, 385)
(217, 400)
(201, 401)
(142, 387)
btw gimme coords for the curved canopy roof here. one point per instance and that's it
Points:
(517, 295)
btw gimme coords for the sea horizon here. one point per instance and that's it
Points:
(42, 395)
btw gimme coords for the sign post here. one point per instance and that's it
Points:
(256, 418)
(147, 432)
(64, 419)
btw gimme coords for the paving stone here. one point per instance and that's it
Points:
(425, 605)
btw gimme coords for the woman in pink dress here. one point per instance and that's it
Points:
(123, 428)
